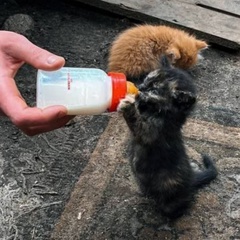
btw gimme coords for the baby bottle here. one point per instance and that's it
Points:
(83, 91)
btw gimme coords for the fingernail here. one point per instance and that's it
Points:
(51, 59)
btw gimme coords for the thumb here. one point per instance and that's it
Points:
(19, 47)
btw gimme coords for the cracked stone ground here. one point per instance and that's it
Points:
(75, 182)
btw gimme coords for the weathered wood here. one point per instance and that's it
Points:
(214, 26)
(230, 7)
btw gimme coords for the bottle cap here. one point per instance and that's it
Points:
(119, 89)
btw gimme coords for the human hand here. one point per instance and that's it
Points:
(15, 50)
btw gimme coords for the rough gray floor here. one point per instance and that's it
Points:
(39, 174)
(112, 208)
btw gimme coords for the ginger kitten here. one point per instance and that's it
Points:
(137, 51)
(157, 155)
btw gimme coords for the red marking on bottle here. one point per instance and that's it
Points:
(69, 80)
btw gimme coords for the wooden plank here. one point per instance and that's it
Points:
(230, 7)
(214, 26)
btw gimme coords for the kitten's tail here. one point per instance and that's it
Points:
(205, 176)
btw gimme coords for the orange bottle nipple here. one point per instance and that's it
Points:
(131, 88)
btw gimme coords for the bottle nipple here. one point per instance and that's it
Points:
(131, 88)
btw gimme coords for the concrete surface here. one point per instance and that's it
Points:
(75, 182)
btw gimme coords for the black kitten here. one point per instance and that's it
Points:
(158, 156)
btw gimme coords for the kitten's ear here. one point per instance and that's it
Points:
(165, 63)
(184, 100)
(173, 54)
(201, 44)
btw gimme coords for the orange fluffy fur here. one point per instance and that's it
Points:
(137, 50)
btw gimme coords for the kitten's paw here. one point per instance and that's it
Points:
(182, 98)
(124, 103)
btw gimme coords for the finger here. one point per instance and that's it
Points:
(19, 47)
(38, 117)
(31, 131)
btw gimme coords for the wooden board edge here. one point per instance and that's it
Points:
(130, 13)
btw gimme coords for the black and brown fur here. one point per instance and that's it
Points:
(158, 157)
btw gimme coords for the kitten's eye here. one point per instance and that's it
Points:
(171, 79)
(155, 92)
(141, 87)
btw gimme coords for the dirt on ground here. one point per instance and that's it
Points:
(75, 182)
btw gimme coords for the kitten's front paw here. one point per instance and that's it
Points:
(184, 98)
(127, 101)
